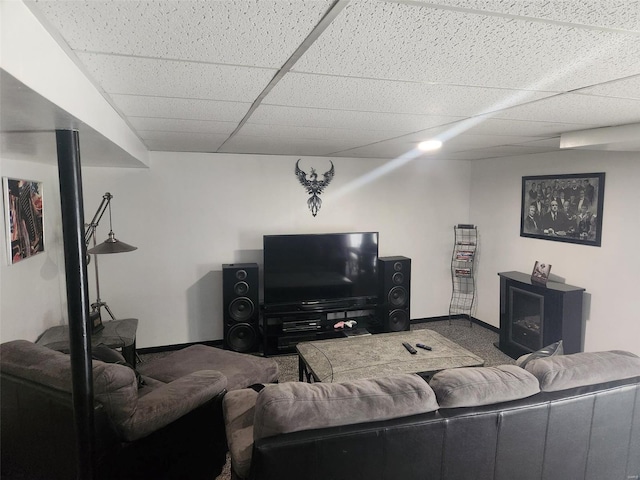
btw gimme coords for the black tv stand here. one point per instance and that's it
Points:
(284, 327)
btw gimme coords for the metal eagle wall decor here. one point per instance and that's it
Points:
(313, 186)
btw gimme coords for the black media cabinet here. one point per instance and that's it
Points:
(283, 329)
(533, 316)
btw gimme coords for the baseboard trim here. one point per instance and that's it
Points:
(457, 317)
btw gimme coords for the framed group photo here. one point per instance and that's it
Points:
(563, 208)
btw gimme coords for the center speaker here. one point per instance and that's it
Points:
(241, 306)
(394, 283)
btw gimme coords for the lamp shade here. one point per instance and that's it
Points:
(111, 245)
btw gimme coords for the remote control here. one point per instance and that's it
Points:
(412, 350)
(422, 345)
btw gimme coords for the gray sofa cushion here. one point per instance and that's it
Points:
(585, 368)
(241, 369)
(475, 386)
(294, 406)
(238, 408)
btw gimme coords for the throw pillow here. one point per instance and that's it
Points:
(109, 355)
(548, 351)
(476, 386)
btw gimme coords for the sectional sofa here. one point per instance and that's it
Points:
(561, 417)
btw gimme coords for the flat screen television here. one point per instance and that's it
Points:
(316, 270)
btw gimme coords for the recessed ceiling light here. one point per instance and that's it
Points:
(430, 145)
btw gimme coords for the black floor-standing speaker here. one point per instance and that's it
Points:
(394, 282)
(241, 306)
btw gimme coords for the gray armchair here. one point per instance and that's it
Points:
(142, 430)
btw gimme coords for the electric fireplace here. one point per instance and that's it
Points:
(533, 316)
(526, 322)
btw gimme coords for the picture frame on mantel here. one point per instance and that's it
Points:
(540, 274)
(563, 208)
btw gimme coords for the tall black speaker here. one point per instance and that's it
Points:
(394, 283)
(241, 306)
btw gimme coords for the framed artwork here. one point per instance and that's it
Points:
(24, 221)
(563, 208)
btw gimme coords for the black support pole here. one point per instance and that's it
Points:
(77, 297)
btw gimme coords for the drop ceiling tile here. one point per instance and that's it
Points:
(463, 149)
(176, 125)
(451, 137)
(318, 117)
(343, 93)
(502, 128)
(460, 143)
(471, 142)
(616, 14)
(553, 143)
(487, 125)
(283, 146)
(167, 78)
(384, 72)
(182, 142)
(625, 88)
(391, 149)
(573, 108)
(257, 33)
(180, 108)
(496, 152)
(466, 156)
(367, 152)
(419, 43)
(310, 133)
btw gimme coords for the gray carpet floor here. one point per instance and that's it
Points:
(475, 338)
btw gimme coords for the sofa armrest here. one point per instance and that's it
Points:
(171, 401)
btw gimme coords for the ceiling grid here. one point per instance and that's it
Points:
(358, 78)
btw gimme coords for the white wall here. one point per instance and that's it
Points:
(33, 291)
(610, 273)
(190, 213)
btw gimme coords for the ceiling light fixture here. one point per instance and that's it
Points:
(430, 145)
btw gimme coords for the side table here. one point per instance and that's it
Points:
(115, 334)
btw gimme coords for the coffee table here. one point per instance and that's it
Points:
(352, 358)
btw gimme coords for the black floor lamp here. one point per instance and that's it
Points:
(110, 245)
